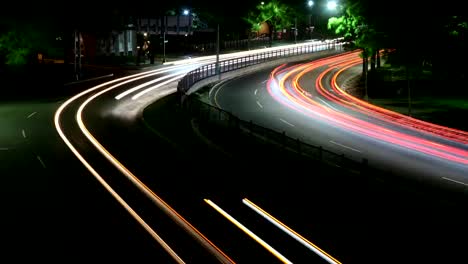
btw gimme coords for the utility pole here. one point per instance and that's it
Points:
(77, 54)
(295, 30)
(164, 46)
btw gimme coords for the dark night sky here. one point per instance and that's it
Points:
(63, 13)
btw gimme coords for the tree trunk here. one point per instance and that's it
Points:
(409, 88)
(363, 62)
(270, 38)
(366, 69)
(271, 31)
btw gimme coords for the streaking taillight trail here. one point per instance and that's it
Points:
(284, 86)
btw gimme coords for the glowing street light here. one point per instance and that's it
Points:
(331, 5)
(186, 12)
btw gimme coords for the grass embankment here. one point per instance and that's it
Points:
(435, 101)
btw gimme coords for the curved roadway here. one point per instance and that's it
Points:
(306, 102)
(177, 201)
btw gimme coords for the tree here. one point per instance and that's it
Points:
(277, 15)
(358, 26)
(21, 41)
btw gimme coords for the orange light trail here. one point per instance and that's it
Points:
(293, 95)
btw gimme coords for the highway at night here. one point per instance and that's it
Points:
(176, 204)
(305, 100)
(263, 132)
(201, 208)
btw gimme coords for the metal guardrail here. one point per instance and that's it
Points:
(205, 112)
(213, 69)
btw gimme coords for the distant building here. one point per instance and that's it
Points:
(125, 42)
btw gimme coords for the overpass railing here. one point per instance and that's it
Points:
(206, 113)
(213, 69)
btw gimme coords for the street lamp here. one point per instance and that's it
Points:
(331, 5)
(186, 12)
(164, 47)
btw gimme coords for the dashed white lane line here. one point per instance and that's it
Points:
(286, 122)
(23, 132)
(256, 91)
(341, 145)
(259, 104)
(30, 115)
(4, 148)
(455, 181)
(326, 103)
(42, 162)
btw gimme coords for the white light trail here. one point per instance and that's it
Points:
(138, 95)
(290, 232)
(98, 177)
(315, 46)
(248, 232)
(143, 188)
(138, 87)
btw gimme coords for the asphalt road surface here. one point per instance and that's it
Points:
(122, 192)
(413, 229)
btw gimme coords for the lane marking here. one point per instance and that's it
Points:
(216, 96)
(286, 122)
(265, 81)
(4, 148)
(290, 232)
(42, 162)
(23, 132)
(259, 104)
(455, 181)
(256, 90)
(341, 145)
(248, 232)
(30, 115)
(327, 104)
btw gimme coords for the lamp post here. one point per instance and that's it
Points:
(310, 3)
(186, 12)
(164, 47)
(294, 30)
